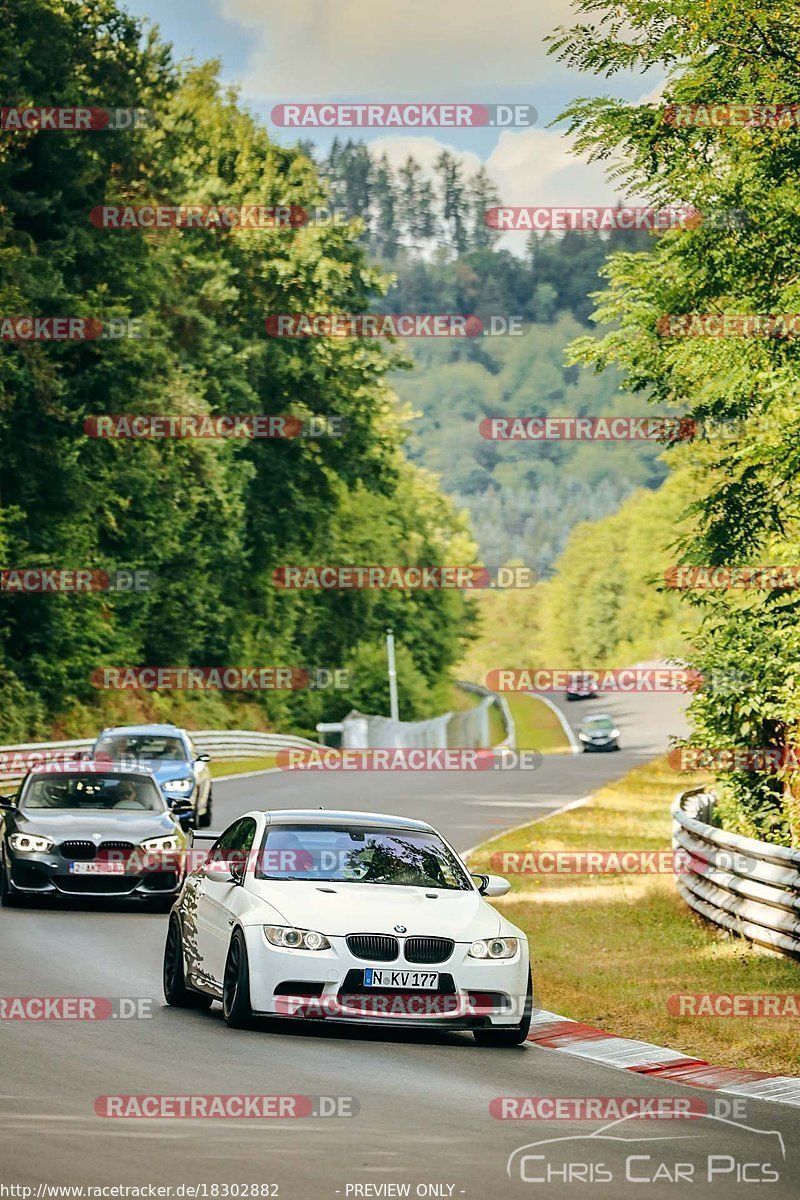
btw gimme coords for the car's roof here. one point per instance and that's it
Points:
(596, 718)
(140, 729)
(325, 816)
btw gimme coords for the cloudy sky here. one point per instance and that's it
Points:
(468, 51)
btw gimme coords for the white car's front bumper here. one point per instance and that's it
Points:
(328, 984)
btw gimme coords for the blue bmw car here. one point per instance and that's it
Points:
(169, 754)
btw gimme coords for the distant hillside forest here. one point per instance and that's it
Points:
(429, 232)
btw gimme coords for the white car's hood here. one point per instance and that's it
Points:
(342, 908)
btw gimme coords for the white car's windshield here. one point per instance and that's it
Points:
(348, 854)
(93, 791)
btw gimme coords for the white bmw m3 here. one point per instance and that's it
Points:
(351, 917)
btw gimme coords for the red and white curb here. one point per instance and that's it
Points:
(572, 1037)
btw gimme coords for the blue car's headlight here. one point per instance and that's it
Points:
(177, 785)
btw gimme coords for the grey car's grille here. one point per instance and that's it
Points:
(78, 851)
(428, 949)
(375, 946)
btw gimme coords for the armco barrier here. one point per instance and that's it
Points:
(510, 739)
(457, 730)
(748, 887)
(220, 744)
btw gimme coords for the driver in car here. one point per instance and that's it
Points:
(125, 795)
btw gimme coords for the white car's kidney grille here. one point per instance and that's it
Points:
(428, 949)
(377, 947)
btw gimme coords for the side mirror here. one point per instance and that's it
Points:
(8, 803)
(203, 758)
(222, 872)
(492, 885)
(184, 813)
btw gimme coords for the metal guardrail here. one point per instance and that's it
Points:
(747, 887)
(510, 739)
(220, 744)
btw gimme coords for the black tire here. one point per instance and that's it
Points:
(204, 819)
(176, 991)
(513, 1035)
(236, 1007)
(8, 897)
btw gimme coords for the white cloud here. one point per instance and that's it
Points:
(532, 167)
(395, 48)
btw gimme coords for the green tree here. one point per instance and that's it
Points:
(210, 520)
(745, 504)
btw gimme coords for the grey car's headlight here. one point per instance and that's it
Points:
(503, 947)
(161, 843)
(27, 842)
(289, 938)
(177, 785)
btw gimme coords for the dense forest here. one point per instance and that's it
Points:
(210, 520)
(430, 233)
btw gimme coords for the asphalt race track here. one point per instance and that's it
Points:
(423, 1099)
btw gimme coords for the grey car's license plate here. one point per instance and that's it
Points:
(97, 868)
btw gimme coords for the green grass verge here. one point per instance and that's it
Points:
(537, 726)
(611, 949)
(238, 766)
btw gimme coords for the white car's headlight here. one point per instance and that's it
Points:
(289, 938)
(502, 947)
(177, 785)
(161, 843)
(27, 842)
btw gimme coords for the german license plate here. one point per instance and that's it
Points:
(97, 868)
(379, 977)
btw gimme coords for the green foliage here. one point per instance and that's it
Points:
(211, 520)
(746, 498)
(523, 497)
(606, 605)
